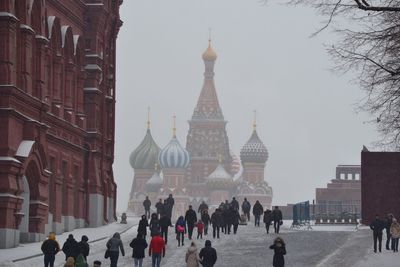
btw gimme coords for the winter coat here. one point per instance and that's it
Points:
(377, 226)
(157, 245)
(181, 223)
(267, 217)
(200, 227)
(202, 207)
(216, 219)
(147, 204)
(115, 244)
(80, 261)
(138, 246)
(276, 215)
(160, 208)
(154, 226)
(190, 217)
(208, 256)
(165, 222)
(279, 252)
(205, 217)
(84, 248)
(50, 246)
(70, 262)
(246, 207)
(235, 204)
(192, 257)
(142, 228)
(70, 248)
(395, 230)
(258, 209)
(388, 223)
(235, 217)
(226, 215)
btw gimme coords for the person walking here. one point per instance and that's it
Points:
(138, 246)
(267, 219)
(235, 220)
(377, 227)
(114, 245)
(395, 234)
(84, 247)
(70, 262)
(180, 230)
(277, 218)
(154, 225)
(388, 223)
(192, 256)
(226, 214)
(156, 250)
(200, 229)
(257, 211)
(159, 207)
(208, 255)
(147, 205)
(81, 262)
(203, 206)
(170, 202)
(50, 248)
(142, 228)
(246, 207)
(216, 221)
(70, 247)
(191, 219)
(205, 217)
(279, 248)
(234, 203)
(165, 222)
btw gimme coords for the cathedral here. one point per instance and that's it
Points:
(207, 169)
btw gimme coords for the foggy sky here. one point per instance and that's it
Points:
(266, 62)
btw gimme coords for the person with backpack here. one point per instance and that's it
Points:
(84, 247)
(180, 230)
(81, 262)
(70, 247)
(114, 245)
(279, 248)
(50, 248)
(208, 255)
(246, 207)
(138, 246)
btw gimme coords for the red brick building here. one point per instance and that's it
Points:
(380, 184)
(57, 100)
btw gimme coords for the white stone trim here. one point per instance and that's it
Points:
(9, 159)
(25, 148)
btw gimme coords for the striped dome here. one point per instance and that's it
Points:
(174, 155)
(145, 155)
(254, 150)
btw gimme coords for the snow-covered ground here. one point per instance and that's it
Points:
(324, 246)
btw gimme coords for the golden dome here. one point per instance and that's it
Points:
(209, 54)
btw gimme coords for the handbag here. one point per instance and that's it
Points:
(280, 222)
(180, 228)
(107, 254)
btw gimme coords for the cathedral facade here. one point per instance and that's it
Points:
(207, 169)
(57, 106)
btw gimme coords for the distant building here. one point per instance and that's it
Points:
(205, 169)
(380, 184)
(57, 110)
(342, 194)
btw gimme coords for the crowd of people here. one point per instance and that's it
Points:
(224, 219)
(392, 228)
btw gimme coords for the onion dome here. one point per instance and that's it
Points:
(154, 183)
(174, 155)
(145, 155)
(235, 164)
(254, 150)
(220, 179)
(209, 54)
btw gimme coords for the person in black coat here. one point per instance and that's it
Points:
(165, 222)
(70, 247)
(235, 218)
(205, 217)
(267, 219)
(138, 246)
(277, 218)
(216, 221)
(142, 228)
(50, 248)
(154, 225)
(160, 207)
(235, 203)
(169, 202)
(191, 219)
(226, 214)
(279, 248)
(388, 223)
(208, 255)
(84, 247)
(147, 205)
(246, 207)
(377, 227)
(258, 210)
(203, 206)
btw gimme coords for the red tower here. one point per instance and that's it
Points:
(57, 99)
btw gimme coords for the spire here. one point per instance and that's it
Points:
(255, 120)
(174, 127)
(148, 118)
